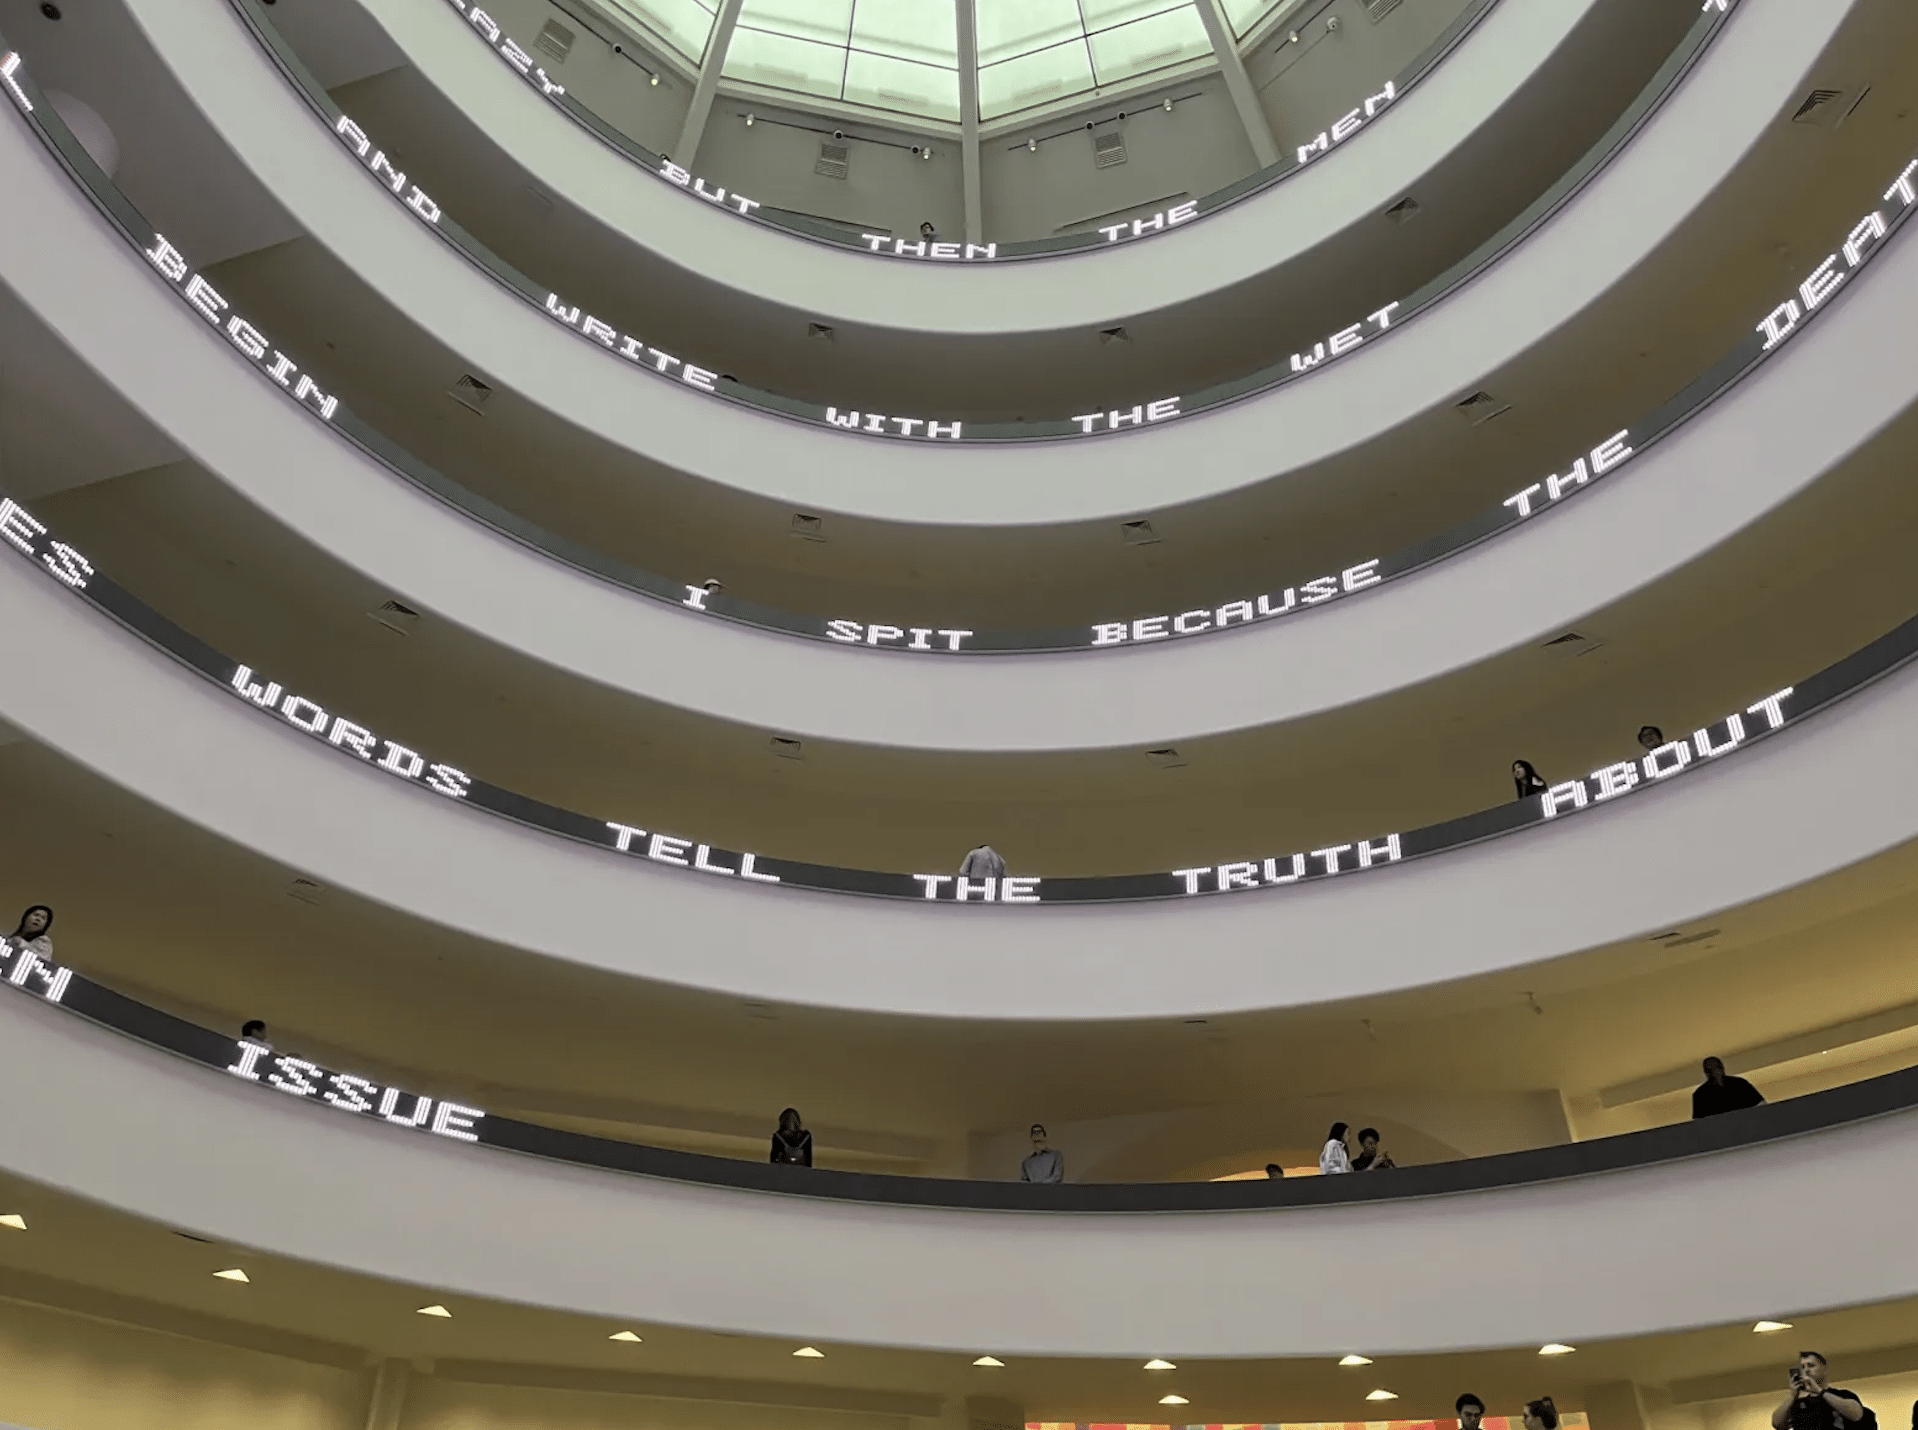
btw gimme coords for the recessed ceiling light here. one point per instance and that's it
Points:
(624, 1336)
(1173, 1400)
(14, 1220)
(1355, 1360)
(440, 1311)
(1381, 1395)
(810, 1353)
(1156, 1364)
(988, 1360)
(233, 1273)
(1556, 1349)
(1766, 1327)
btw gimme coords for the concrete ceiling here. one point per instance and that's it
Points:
(79, 1259)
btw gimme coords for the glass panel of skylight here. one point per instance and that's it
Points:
(1104, 14)
(1149, 44)
(1008, 29)
(925, 31)
(685, 25)
(1037, 78)
(827, 21)
(784, 62)
(902, 86)
(1244, 15)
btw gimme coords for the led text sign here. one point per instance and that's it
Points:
(27, 536)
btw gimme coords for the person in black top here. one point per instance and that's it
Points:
(1370, 1159)
(1814, 1403)
(1526, 779)
(1470, 1410)
(1541, 1414)
(792, 1143)
(1650, 737)
(1720, 1092)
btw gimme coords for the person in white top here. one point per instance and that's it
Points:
(982, 863)
(1334, 1157)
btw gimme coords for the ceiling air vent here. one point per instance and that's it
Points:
(1573, 643)
(1377, 10)
(537, 200)
(469, 392)
(1138, 533)
(1108, 150)
(1404, 211)
(1166, 759)
(1821, 107)
(1481, 407)
(555, 41)
(808, 528)
(834, 162)
(1680, 940)
(1109, 336)
(823, 332)
(787, 749)
(305, 890)
(395, 617)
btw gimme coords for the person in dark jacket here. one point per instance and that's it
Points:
(1525, 779)
(1720, 1092)
(1541, 1414)
(792, 1143)
(1650, 737)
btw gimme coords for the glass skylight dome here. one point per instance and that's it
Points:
(903, 56)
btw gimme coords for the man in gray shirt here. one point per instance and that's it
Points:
(982, 863)
(1045, 1164)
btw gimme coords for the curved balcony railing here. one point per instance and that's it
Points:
(1746, 725)
(1822, 285)
(520, 59)
(647, 362)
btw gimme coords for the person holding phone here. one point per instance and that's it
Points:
(1816, 1404)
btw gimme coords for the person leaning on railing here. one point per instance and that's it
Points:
(35, 932)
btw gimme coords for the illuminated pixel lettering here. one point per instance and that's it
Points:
(1607, 456)
(204, 299)
(875, 423)
(308, 1081)
(1348, 124)
(310, 718)
(393, 181)
(9, 64)
(27, 970)
(1315, 592)
(854, 633)
(886, 244)
(685, 179)
(1670, 758)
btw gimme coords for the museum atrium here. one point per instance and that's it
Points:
(809, 714)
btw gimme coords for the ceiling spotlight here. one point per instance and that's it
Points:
(1157, 1364)
(810, 1353)
(655, 79)
(1556, 1349)
(14, 1220)
(627, 1336)
(1381, 1395)
(233, 1273)
(925, 151)
(440, 1311)
(839, 134)
(749, 121)
(1032, 146)
(1167, 106)
(1764, 1328)
(1173, 1400)
(989, 1360)
(1355, 1360)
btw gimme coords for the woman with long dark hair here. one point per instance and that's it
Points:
(1333, 1157)
(35, 931)
(1526, 779)
(792, 1143)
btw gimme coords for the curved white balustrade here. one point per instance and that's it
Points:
(233, 1162)
(1857, 367)
(1441, 114)
(1701, 133)
(1772, 816)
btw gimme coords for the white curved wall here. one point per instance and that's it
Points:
(1857, 367)
(1755, 68)
(1768, 818)
(1091, 292)
(119, 1124)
